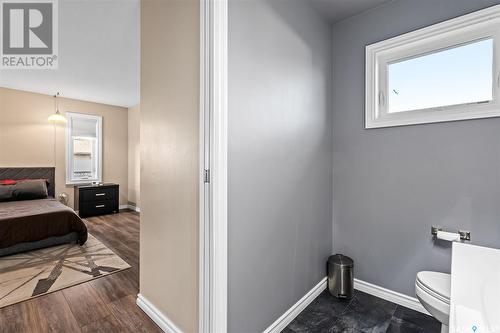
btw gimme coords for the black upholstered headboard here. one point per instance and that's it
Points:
(31, 173)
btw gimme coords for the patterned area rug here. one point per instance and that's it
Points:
(31, 274)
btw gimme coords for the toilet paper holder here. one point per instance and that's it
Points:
(464, 234)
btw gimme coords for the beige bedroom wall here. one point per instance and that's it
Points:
(134, 156)
(27, 138)
(169, 158)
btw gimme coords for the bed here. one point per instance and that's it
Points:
(36, 223)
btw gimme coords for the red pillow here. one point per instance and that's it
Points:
(7, 182)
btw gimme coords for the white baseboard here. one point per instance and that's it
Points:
(410, 302)
(157, 316)
(297, 308)
(131, 207)
(134, 208)
(389, 295)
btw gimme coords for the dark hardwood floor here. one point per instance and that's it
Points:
(105, 305)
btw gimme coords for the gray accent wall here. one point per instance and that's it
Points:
(392, 184)
(280, 158)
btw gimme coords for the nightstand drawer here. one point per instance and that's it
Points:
(98, 207)
(99, 194)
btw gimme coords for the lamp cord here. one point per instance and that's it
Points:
(55, 145)
(56, 107)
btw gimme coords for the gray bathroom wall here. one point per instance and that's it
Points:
(392, 184)
(280, 158)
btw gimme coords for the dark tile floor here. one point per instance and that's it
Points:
(362, 313)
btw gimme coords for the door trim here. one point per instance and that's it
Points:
(213, 195)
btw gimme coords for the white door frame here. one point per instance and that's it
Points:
(213, 166)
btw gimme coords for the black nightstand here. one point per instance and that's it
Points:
(96, 200)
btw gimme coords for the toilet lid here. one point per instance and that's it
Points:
(439, 283)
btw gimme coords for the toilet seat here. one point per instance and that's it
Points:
(433, 290)
(437, 285)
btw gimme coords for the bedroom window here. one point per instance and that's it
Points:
(83, 148)
(449, 71)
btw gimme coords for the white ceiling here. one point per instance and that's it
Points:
(99, 54)
(337, 10)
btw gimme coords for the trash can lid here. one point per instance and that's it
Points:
(340, 259)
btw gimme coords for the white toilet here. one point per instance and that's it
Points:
(433, 290)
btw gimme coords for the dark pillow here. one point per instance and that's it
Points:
(29, 189)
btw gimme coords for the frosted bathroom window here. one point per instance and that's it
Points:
(445, 72)
(460, 75)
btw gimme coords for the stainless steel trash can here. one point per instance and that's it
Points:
(340, 276)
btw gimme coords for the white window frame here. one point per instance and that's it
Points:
(69, 149)
(483, 24)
